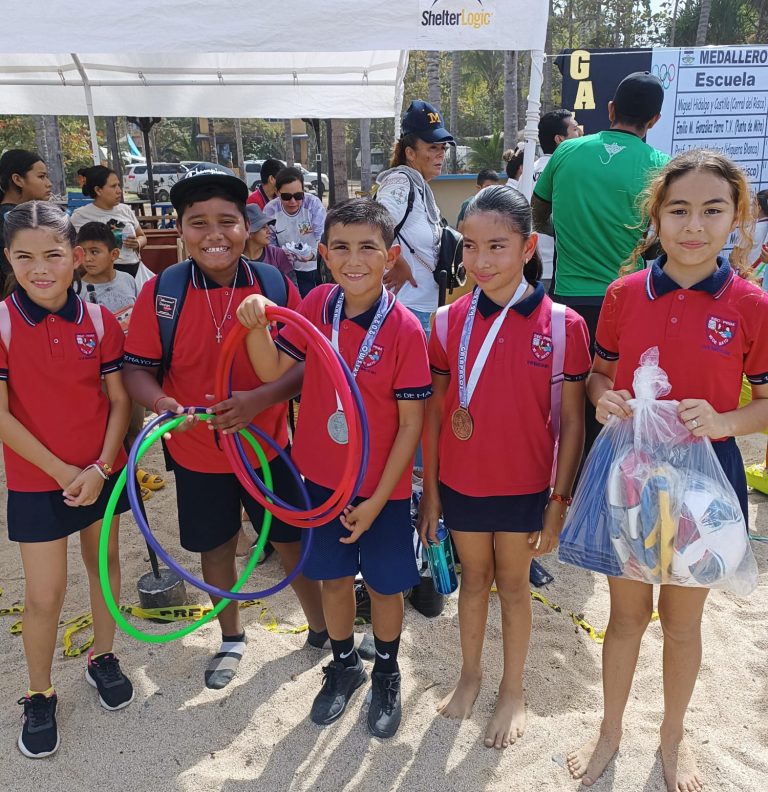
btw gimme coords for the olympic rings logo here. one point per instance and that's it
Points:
(665, 73)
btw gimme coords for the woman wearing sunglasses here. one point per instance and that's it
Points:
(299, 222)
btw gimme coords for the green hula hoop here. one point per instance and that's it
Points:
(106, 528)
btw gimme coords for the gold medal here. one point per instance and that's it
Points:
(461, 423)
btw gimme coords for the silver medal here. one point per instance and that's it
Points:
(337, 428)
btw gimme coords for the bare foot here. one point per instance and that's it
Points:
(507, 722)
(589, 761)
(459, 702)
(680, 771)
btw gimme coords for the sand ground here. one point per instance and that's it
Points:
(256, 734)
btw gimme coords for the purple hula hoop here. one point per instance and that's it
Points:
(135, 501)
(356, 395)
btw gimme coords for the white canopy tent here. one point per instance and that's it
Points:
(231, 60)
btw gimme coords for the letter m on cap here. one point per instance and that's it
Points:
(433, 118)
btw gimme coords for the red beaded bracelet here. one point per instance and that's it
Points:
(561, 499)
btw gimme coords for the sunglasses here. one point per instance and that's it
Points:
(299, 196)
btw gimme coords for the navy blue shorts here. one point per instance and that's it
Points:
(504, 513)
(209, 506)
(384, 553)
(727, 452)
(44, 517)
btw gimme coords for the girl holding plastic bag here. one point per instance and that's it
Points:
(488, 449)
(710, 327)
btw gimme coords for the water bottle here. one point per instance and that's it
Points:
(441, 563)
(127, 231)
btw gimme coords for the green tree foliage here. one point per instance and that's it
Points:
(730, 22)
(486, 152)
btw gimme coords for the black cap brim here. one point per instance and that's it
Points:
(235, 187)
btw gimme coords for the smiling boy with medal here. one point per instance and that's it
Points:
(384, 347)
(490, 440)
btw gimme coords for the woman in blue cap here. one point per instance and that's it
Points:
(417, 158)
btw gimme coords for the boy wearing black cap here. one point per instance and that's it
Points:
(589, 190)
(213, 223)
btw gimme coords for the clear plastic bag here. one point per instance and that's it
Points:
(653, 503)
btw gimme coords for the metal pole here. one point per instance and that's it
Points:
(89, 107)
(532, 122)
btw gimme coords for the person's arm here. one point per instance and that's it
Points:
(317, 215)
(269, 362)
(393, 195)
(139, 238)
(18, 438)
(87, 485)
(358, 519)
(430, 507)
(600, 392)
(542, 216)
(569, 453)
(236, 412)
(143, 387)
(753, 417)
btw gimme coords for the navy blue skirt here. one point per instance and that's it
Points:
(44, 517)
(503, 513)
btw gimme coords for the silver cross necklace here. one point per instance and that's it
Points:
(218, 326)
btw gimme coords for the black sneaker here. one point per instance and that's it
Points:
(385, 710)
(321, 640)
(115, 689)
(39, 734)
(339, 683)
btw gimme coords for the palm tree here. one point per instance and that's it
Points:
(288, 141)
(510, 99)
(338, 168)
(455, 90)
(701, 32)
(486, 152)
(433, 78)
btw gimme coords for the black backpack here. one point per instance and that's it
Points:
(171, 287)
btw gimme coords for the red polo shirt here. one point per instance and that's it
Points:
(195, 357)
(708, 335)
(511, 449)
(396, 369)
(53, 372)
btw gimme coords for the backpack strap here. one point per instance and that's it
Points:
(558, 365)
(97, 318)
(408, 208)
(557, 325)
(94, 311)
(5, 325)
(170, 290)
(441, 326)
(271, 281)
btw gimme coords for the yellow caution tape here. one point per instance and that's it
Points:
(598, 636)
(172, 614)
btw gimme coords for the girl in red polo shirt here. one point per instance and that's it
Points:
(710, 327)
(488, 447)
(63, 417)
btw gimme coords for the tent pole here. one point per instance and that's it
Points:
(532, 121)
(89, 106)
(402, 67)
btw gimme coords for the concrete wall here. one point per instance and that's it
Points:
(451, 190)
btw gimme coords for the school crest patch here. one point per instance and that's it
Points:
(720, 331)
(374, 356)
(541, 346)
(86, 343)
(165, 307)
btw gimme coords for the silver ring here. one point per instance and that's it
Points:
(694, 423)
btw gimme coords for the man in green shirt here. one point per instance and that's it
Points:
(590, 190)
